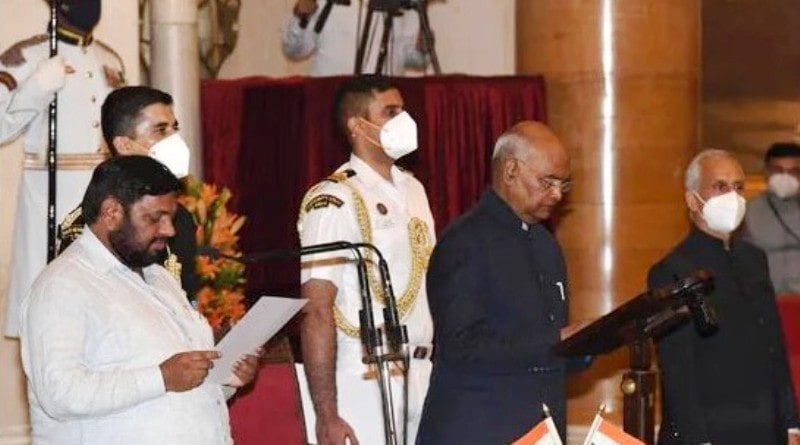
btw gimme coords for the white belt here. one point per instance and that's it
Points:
(65, 161)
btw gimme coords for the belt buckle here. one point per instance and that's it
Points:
(420, 353)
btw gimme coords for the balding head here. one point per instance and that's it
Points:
(519, 136)
(530, 170)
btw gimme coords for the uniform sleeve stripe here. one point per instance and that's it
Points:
(8, 80)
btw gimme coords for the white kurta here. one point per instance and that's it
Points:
(23, 111)
(93, 334)
(334, 49)
(391, 207)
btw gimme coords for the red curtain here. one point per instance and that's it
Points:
(270, 139)
(789, 307)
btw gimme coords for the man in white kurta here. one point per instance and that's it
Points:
(83, 74)
(376, 202)
(112, 350)
(333, 49)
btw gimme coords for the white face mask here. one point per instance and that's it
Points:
(173, 152)
(723, 213)
(783, 185)
(398, 136)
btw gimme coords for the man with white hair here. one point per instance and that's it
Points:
(497, 288)
(728, 385)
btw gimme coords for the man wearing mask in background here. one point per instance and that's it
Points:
(368, 199)
(730, 385)
(83, 73)
(333, 48)
(772, 221)
(141, 121)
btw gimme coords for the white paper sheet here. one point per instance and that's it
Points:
(258, 325)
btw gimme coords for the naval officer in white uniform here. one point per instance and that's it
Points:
(368, 199)
(83, 73)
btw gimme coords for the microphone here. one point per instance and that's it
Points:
(703, 315)
(396, 332)
(693, 289)
(371, 336)
(275, 254)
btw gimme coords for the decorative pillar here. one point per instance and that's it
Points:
(622, 92)
(175, 66)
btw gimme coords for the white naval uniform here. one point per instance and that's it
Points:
(391, 206)
(24, 111)
(334, 49)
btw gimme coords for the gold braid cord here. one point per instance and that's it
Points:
(172, 265)
(421, 248)
(72, 227)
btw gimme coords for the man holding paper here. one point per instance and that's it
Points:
(111, 348)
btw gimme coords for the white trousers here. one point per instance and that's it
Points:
(29, 251)
(359, 403)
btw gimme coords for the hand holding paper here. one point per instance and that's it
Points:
(245, 369)
(186, 370)
(257, 326)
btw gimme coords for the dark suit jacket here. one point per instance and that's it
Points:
(732, 386)
(497, 293)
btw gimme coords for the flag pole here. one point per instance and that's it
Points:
(595, 424)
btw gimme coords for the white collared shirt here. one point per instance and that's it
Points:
(93, 334)
(334, 48)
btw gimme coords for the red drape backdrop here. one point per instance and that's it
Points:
(270, 139)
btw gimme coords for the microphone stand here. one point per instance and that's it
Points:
(372, 339)
(371, 336)
(396, 332)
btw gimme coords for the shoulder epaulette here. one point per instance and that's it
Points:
(341, 176)
(70, 229)
(13, 55)
(111, 50)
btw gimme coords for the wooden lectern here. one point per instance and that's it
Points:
(634, 324)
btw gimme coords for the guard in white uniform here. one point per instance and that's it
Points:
(367, 200)
(334, 48)
(83, 73)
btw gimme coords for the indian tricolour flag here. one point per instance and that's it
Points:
(606, 433)
(544, 433)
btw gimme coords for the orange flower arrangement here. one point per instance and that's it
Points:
(221, 295)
